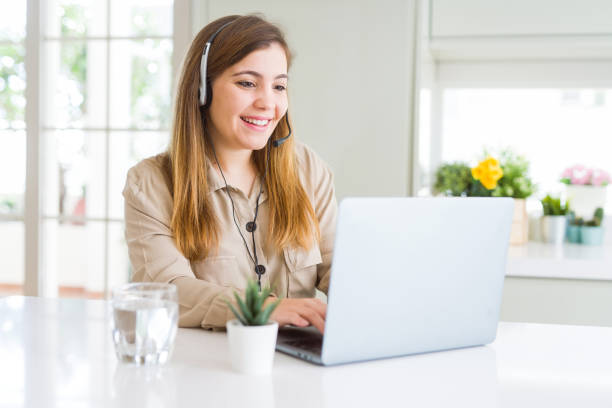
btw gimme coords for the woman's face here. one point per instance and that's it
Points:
(249, 99)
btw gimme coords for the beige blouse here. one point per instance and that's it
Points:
(204, 285)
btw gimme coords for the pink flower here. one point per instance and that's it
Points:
(600, 178)
(567, 173)
(581, 175)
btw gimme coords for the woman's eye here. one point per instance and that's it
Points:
(246, 84)
(280, 87)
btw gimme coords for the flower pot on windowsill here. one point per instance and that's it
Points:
(591, 235)
(553, 228)
(573, 234)
(519, 234)
(584, 199)
(251, 348)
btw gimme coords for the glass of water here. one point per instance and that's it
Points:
(145, 320)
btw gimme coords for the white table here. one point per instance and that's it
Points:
(58, 353)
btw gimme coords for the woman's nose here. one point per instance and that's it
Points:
(265, 99)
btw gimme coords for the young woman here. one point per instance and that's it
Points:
(235, 197)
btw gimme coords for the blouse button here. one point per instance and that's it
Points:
(260, 269)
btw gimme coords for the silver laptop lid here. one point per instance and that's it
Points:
(411, 275)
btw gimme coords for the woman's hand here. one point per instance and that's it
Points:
(299, 312)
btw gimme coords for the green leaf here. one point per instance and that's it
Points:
(244, 309)
(267, 312)
(453, 179)
(552, 206)
(235, 312)
(251, 295)
(251, 305)
(247, 296)
(258, 304)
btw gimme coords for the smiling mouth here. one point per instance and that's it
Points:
(256, 122)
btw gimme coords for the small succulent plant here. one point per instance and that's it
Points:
(252, 312)
(576, 221)
(597, 218)
(553, 206)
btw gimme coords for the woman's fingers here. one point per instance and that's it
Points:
(320, 307)
(297, 320)
(301, 312)
(315, 319)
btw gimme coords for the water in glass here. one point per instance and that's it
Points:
(145, 320)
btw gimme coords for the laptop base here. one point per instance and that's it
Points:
(305, 343)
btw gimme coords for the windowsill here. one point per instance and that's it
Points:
(567, 261)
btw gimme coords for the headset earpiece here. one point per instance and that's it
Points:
(205, 93)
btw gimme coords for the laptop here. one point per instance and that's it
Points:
(409, 276)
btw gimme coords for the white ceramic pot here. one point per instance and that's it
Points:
(553, 228)
(252, 348)
(584, 200)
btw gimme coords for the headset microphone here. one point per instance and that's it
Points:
(278, 142)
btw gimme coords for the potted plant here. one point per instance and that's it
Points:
(517, 184)
(573, 229)
(459, 180)
(592, 232)
(586, 188)
(453, 179)
(507, 177)
(251, 336)
(554, 220)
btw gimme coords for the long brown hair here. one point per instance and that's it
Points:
(195, 227)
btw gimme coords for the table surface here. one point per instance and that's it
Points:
(59, 353)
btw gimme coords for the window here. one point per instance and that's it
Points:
(555, 113)
(552, 128)
(105, 89)
(12, 144)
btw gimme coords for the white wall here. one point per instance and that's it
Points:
(521, 29)
(351, 84)
(486, 18)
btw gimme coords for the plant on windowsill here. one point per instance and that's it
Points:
(554, 221)
(589, 232)
(453, 180)
(459, 180)
(251, 336)
(592, 232)
(586, 188)
(508, 177)
(515, 182)
(573, 229)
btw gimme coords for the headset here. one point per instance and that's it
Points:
(251, 226)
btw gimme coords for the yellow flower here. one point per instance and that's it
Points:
(488, 172)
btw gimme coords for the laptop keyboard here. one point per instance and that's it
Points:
(311, 345)
(305, 339)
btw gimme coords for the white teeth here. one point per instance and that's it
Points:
(256, 121)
